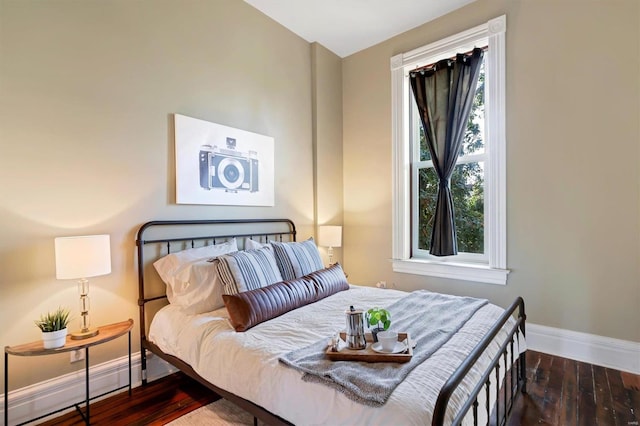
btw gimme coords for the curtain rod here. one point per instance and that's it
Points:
(425, 67)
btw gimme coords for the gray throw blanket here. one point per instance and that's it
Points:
(431, 319)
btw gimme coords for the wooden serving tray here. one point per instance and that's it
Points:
(367, 354)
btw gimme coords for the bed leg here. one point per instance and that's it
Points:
(522, 315)
(255, 421)
(523, 371)
(143, 365)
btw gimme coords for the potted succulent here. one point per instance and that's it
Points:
(54, 328)
(380, 319)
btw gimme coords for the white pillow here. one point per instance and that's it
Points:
(203, 290)
(250, 244)
(192, 279)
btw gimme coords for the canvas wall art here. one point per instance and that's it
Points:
(217, 164)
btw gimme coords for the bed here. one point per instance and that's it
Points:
(474, 377)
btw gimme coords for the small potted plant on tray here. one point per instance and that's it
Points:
(54, 328)
(380, 319)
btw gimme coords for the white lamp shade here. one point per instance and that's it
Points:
(330, 236)
(82, 257)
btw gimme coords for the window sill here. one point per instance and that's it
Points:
(458, 271)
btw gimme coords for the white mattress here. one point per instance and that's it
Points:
(247, 365)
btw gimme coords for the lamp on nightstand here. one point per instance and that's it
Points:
(81, 258)
(330, 236)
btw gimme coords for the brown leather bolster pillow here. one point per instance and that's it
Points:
(252, 307)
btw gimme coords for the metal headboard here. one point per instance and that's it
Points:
(202, 231)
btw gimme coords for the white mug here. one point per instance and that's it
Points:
(388, 340)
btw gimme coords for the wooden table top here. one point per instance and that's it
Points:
(105, 334)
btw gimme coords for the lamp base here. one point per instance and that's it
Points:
(84, 334)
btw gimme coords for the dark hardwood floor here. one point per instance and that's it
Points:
(560, 392)
(158, 403)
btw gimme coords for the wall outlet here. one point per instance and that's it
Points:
(381, 284)
(77, 355)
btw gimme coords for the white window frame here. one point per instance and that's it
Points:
(493, 266)
(416, 166)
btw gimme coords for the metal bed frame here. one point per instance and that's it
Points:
(507, 387)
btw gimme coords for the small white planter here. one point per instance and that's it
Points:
(54, 339)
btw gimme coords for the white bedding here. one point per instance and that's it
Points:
(247, 365)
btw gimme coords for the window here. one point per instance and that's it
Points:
(479, 181)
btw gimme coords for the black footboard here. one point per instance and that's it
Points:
(506, 388)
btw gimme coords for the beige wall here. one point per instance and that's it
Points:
(573, 96)
(87, 89)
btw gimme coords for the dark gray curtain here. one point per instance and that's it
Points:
(444, 95)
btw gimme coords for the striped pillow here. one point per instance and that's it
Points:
(296, 260)
(248, 270)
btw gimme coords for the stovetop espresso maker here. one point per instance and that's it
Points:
(355, 329)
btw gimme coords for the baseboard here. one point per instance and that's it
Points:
(41, 398)
(605, 351)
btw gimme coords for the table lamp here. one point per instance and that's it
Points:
(81, 258)
(330, 236)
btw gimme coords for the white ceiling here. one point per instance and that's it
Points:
(348, 26)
